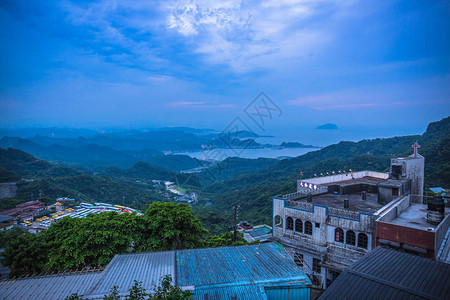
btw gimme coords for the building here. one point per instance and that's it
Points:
(329, 223)
(245, 272)
(6, 222)
(388, 274)
(261, 233)
(25, 211)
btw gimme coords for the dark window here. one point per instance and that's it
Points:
(298, 259)
(308, 228)
(278, 221)
(339, 235)
(350, 240)
(362, 240)
(317, 225)
(298, 225)
(316, 265)
(289, 223)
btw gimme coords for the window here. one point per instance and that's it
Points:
(317, 225)
(362, 240)
(308, 228)
(316, 265)
(298, 225)
(339, 235)
(289, 223)
(350, 238)
(298, 259)
(278, 221)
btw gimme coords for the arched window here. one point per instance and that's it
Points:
(298, 225)
(350, 238)
(278, 221)
(289, 223)
(308, 228)
(362, 240)
(339, 235)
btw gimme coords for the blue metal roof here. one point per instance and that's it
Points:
(244, 267)
(243, 271)
(47, 287)
(148, 268)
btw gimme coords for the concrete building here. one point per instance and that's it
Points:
(329, 223)
(413, 228)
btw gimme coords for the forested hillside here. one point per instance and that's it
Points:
(253, 192)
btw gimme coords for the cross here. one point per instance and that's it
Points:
(415, 146)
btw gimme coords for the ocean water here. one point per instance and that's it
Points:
(221, 154)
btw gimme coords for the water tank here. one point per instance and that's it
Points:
(346, 203)
(436, 210)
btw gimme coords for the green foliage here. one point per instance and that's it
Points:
(26, 165)
(168, 291)
(169, 226)
(93, 241)
(136, 292)
(7, 235)
(89, 188)
(25, 254)
(74, 296)
(114, 294)
(8, 176)
(225, 239)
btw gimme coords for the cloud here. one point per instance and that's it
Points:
(186, 103)
(247, 35)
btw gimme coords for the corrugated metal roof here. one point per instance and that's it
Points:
(147, 268)
(47, 287)
(241, 265)
(241, 271)
(242, 292)
(384, 272)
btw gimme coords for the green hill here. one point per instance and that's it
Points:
(254, 191)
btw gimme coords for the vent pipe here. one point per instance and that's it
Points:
(309, 197)
(436, 210)
(346, 203)
(364, 195)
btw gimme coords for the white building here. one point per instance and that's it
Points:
(329, 223)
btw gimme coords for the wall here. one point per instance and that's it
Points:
(440, 231)
(346, 176)
(406, 235)
(8, 190)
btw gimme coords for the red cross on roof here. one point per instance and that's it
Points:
(415, 146)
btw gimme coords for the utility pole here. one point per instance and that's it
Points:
(235, 222)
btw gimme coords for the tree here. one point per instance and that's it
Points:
(92, 241)
(169, 226)
(168, 291)
(25, 254)
(225, 239)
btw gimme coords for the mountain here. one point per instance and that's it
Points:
(26, 165)
(327, 126)
(254, 191)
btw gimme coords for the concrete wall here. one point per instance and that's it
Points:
(413, 168)
(346, 176)
(8, 190)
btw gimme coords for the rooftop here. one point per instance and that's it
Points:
(243, 271)
(390, 274)
(356, 204)
(414, 216)
(366, 179)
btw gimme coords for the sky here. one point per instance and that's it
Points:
(373, 68)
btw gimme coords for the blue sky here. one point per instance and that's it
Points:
(372, 66)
